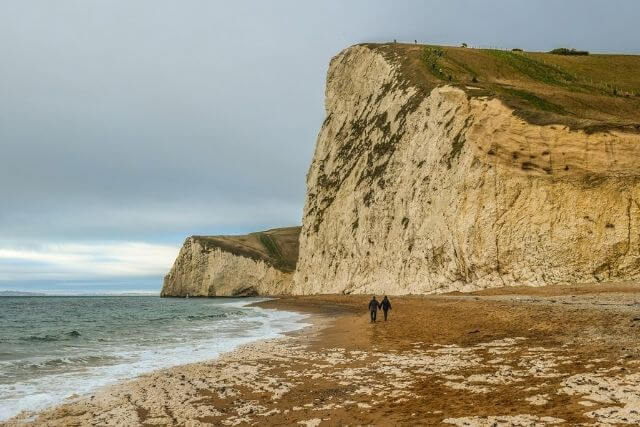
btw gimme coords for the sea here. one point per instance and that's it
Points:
(54, 347)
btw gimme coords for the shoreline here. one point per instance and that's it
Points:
(275, 324)
(564, 355)
(59, 414)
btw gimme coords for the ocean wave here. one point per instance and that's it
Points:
(223, 315)
(204, 316)
(5, 355)
(64, 363)
(160, 319)
(51, 338)
(46, 338)
(207, 316)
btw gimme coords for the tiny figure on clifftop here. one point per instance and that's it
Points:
(373, 308)
(386, 306)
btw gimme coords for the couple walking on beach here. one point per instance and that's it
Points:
(374, 305)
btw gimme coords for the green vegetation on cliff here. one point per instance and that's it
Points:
(277, 247)
(583, 91)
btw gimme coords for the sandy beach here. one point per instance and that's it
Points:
(515, 356)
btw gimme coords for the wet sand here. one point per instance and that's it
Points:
(516, 356)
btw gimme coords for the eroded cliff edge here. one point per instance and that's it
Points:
(254, 264)
(414, 191)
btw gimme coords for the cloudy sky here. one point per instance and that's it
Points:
(127, 125)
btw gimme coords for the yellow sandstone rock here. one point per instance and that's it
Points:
(411, 193)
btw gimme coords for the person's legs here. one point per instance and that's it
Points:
(385, 315)
(373, 315)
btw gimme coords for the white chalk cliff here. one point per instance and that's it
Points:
(441, 169)
(412, 193)
(255, 264)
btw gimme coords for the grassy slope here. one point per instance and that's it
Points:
(277, 247)
(542, 88)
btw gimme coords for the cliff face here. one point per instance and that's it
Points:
(255, 264)
(418, 192)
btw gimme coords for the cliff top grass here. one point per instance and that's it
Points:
(277, 247)
(591, 92)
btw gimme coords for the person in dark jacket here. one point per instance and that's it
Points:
(386, 306)
(373, 308)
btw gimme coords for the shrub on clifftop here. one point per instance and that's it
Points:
(566, 51)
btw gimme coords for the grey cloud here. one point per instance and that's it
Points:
(154, 119)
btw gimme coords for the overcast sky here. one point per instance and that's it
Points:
(126, 126)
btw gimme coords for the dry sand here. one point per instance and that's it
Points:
(545, 356)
